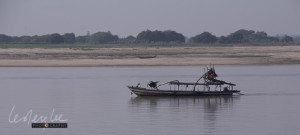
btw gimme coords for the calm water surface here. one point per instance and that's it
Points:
(95, 100)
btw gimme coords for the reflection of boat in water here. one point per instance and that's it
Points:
(208, 103)
(182, 99)
(202, 112)
(209, 79)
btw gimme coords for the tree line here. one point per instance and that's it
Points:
(240, 36)
(147, 36)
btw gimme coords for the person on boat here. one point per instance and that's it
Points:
(139, 85)
(211, 74)
(226, 89)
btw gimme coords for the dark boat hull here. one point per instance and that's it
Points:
(152, 92)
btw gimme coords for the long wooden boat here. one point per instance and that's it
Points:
(157, 92)
(183, 88)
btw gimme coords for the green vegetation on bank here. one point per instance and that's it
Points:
(144, 38)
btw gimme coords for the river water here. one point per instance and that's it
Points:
(95, 100)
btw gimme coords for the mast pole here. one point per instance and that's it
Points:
(198, 81)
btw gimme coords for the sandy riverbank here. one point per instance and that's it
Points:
(174, 56)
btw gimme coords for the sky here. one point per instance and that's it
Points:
(130, 17)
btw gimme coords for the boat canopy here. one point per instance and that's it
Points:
(219, 82)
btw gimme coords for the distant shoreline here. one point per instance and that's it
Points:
(149, 56)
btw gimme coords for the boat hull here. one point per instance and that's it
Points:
(153, 92)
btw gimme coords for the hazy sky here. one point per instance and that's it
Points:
(129, 17)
